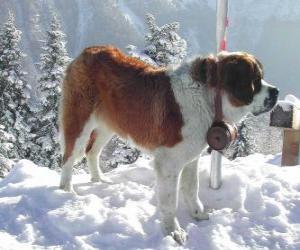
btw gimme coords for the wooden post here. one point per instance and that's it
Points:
(287, 116)
(290, 148)
(222, 22)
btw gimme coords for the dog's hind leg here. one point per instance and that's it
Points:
(74, 141)
(190, 190)
(66, 174)
(98, 139)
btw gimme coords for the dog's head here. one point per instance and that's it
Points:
(240, 76)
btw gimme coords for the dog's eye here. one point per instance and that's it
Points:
(252, 86)
(256, 85)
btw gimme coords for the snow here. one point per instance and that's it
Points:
(293, 99)
(288, 102)
(285, 105)
(258, 206)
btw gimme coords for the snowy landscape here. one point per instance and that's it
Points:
(257, 207)
(258, 204)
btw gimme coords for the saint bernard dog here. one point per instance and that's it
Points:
(165, 111)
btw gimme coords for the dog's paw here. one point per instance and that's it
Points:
(198, 215)
(102, 178)
(68, 187)
(197, 211)
(173, 229)
(180, 236)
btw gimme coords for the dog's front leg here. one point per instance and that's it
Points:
(190, 189)
(167, 191)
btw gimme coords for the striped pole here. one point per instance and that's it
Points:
(221, 44)
(221, 25)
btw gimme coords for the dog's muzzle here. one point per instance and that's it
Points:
(272, 99)
(269, 101)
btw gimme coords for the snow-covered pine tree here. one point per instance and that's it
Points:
(242, 146)
(15, 113)
(117, 152)
(6, 145)
(163, 44)
(6, 142)
(135, 52)
(54, 60)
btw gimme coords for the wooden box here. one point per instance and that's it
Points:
(287, 116)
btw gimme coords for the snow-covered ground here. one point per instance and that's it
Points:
(258, 207)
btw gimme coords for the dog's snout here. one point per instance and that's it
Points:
(274, 92)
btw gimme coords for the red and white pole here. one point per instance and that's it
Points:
(221, 25)
(221, 44)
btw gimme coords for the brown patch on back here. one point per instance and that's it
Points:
(135, 99)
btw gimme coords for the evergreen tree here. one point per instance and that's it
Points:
(242, 146)
(53, 62)
(117, 152)
(15, 113)
(163, 44)
(6, 142)
(135, 52)
(6, 145)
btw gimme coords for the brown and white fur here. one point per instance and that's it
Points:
(165, 112)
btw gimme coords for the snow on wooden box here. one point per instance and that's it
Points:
(285, 115)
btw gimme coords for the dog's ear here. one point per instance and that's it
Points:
(204, 70)
(237, 79)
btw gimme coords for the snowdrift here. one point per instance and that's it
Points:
(258, 206)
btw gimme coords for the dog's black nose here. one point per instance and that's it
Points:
(273, 93)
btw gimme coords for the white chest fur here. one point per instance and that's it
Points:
(196, 105)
